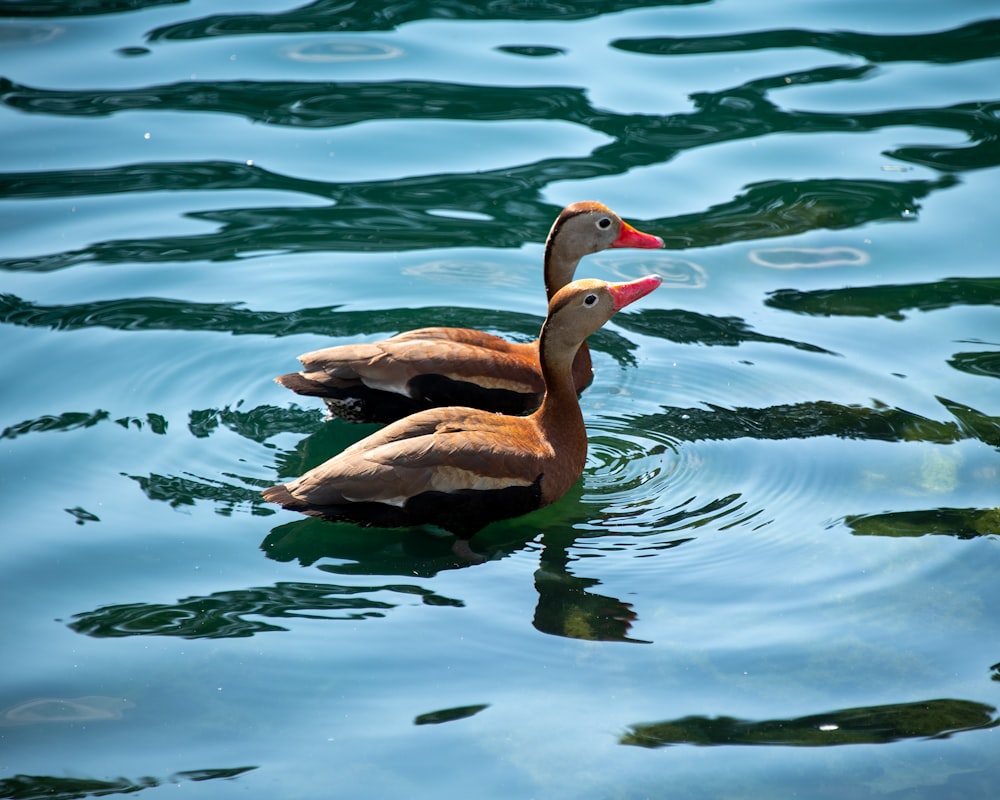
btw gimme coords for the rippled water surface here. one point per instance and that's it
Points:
(779, 575)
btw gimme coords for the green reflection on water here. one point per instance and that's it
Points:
(449, 714)
(971, 42)
(28, 787)
(888, 300)
(228, 614)
(822, 418)
(963, 523)
(870, 725)
(399, 209)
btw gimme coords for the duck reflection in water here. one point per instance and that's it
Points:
(567, 604)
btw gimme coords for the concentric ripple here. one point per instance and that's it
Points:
(677, 273)
(644, 479)
(630, 474)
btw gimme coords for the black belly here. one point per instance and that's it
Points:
(463, 513)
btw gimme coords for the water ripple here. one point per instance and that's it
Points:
(332, 51)
(677, 273)
(630, 475)
(809, 257)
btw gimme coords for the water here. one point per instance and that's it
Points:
(778, 575)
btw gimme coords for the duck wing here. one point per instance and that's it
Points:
(425, 453)
(393, 364)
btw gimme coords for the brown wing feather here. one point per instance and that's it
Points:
(341, 361)
(428, 452)
(461, 335)
(390, 365)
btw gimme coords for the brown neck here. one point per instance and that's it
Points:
(558, 267)
(559, 415)
(583, 368)
(558, 271)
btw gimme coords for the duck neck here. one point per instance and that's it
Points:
(558, 267)
(559, 414)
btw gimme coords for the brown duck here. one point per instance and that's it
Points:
(462, 468)
(432, 367)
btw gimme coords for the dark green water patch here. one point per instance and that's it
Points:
(68, 421)
(77, 8)
(81, 515)
(962, 523)
(888, 300)
(258, 424)
(74, 420)
(360, 551)
(977, 40)
(372, 15)
(984, 363)
(691, 327)
(449, 714)
(52, 787)
(866, 725)
(179, 491)
(167, 176)
(568, 607)
(531, 50)
(238, 613)
(820, 418)
(766, 210)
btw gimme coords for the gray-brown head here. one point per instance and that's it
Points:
(581, 229)
(580, 308)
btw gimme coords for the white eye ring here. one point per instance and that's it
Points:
(590, 299)
(604, 223)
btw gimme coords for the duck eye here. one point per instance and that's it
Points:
(604, 223)
(590, 299)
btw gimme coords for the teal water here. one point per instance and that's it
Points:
(778, 576)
